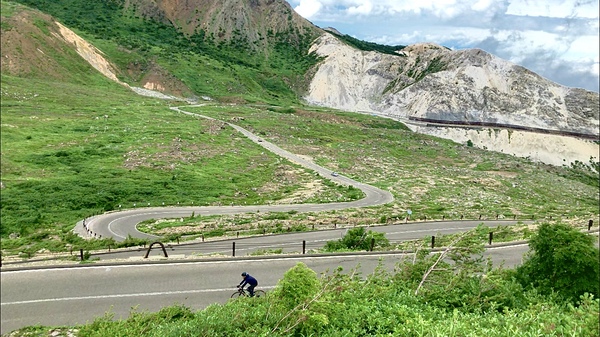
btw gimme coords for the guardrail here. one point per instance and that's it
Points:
(83, 255)
(439, 122)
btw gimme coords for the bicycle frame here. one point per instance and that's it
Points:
(241, 292)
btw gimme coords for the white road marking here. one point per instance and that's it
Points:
(99, 297)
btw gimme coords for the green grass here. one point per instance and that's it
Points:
(437, 179)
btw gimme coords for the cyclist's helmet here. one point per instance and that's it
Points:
(244, 274)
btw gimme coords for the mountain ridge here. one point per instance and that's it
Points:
(423, 81)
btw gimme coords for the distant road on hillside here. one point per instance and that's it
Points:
(120, 225)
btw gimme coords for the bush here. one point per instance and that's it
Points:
(358, 239)
(561, 260)
(299, 294)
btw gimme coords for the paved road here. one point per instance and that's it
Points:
(69, 296)
(300, 242)
(119, 225)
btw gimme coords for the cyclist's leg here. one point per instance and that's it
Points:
(251, 290)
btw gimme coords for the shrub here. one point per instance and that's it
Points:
(561, 260)
(299, 294)
(358, 239)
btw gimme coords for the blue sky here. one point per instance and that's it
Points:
(556, 39)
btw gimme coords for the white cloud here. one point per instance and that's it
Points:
(308, 8)
(365, 7)
(481, 5)
(554, 8)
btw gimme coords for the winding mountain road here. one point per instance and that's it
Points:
(119, 225)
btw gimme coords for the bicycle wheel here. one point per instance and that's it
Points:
(259, 293)
(238, 293)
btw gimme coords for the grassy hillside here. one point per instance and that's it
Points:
(209, 67)
(75, 144)
(70, 151)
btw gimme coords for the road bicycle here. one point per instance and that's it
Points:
(241, 292)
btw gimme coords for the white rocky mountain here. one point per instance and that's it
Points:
(464, 95)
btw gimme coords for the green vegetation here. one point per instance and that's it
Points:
(229, 70)
(369, 46)
(109, 149)
(562, 261)
(358, 239)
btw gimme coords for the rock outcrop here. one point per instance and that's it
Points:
(465, 89)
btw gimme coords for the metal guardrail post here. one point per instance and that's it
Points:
(150, 248)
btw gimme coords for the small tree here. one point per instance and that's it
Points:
(562, 260)
(299, 293)
(357, 239)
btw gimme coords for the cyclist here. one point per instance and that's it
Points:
(247, 279)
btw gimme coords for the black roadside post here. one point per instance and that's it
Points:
(590, 224)
(372, 244)
(303, 247)
(491, 236)
(432, 241)
(81, 254)
(233, 251)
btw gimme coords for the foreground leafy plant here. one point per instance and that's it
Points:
(562, 260)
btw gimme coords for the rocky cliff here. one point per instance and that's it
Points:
(460, 90)
(253, 22)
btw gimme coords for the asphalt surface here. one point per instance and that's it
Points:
(296, 243)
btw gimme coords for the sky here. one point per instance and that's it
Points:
(557, 39)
